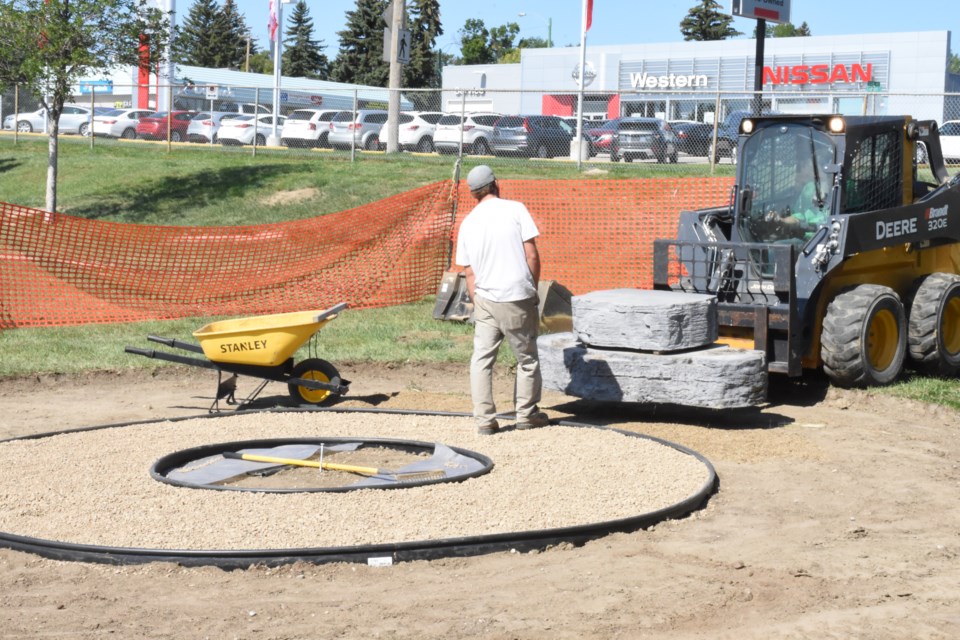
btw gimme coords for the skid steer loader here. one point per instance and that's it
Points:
(867, 283)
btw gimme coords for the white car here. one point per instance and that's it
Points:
(307, 128)
(477, 131)
(119, 123)
(950, 139)
(205, 125)
(416, 130)
(247, 128)
(73, 119)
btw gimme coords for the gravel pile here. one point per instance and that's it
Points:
(95, 488)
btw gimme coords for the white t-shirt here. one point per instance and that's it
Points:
(491, 242)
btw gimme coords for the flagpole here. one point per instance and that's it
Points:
(274, 139)
(581, 81)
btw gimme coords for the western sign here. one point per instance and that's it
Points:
(769, 10)
(818, 74)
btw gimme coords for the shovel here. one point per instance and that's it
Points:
(412, 476)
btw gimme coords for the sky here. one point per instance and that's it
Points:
(617, 22)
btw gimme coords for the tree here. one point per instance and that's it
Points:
(303, 56)
(478, 45)
(785, 30)
(953, 64)
(705, 21)
(213, 36)
(513, 56)
(421, 71)
(48, 46)
(360, 59)
(193, 45)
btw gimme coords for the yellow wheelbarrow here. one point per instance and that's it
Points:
(261, 347)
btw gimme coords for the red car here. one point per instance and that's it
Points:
(155, 127)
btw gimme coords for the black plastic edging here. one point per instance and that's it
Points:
(396, 552)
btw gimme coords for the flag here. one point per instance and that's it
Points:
(272, 22)
(589, 14)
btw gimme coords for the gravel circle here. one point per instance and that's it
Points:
(94, 487)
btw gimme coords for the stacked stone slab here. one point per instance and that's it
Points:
(633, 345)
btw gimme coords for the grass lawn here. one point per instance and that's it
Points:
(139, 182)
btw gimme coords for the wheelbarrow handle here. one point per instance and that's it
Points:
(332, 311)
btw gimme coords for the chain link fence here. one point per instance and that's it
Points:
(681, 132)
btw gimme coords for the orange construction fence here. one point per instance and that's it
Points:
(58, 270)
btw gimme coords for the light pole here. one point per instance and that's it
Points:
(274, 139)
(549, 22)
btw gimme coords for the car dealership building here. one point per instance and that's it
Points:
(888, 73)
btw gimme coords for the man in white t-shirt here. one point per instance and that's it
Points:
(498, 250)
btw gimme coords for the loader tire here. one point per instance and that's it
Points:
(864, 337)
(313, 369)
(933, 333)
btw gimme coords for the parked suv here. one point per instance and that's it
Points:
(645, 138)
(477, 130)
(362, 131)
(540, 136)
(307, 128)
(416, 130)
(728, 133)
(205, 125)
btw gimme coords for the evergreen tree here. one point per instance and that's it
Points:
(421, 71)
(303, 56)
(233, 37)
(953, 64)
(360, 59)
(193, 46)
(705, 21)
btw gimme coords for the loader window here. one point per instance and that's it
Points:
(785, 188)
(873, 175)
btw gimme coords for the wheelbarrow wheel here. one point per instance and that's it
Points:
(313, 369)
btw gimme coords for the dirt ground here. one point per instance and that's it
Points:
(835, 518)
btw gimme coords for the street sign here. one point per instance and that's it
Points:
(403, 47)
(769, 10)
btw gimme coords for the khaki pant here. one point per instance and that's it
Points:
(519, 323)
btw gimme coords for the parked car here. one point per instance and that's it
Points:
(693, 138)
(241, 107)
(73, 119)
(601, 136)
(307, 128)
(950, 139)
(247, 128)
(205, 126)
(644, 138)
(728, 133)
(416, 129)
(119, 123)
(475, 129)
(362, 131)
(540, 136)
(155, 125)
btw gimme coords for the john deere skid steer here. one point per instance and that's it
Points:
(857, 270)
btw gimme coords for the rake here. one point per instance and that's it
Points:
(408, 476)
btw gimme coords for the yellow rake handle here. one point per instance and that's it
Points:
(329, 466)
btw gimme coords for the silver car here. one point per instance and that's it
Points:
(205, 125)
(474, 131)
(119, 123)
(73, 119)
(363, 132)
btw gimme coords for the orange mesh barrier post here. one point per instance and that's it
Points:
(58, 270)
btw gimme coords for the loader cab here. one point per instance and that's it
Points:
(787, 178)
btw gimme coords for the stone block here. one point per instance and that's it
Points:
(645, 319)
(714, 377)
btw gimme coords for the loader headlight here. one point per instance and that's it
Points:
(837, 125)
(746, 126)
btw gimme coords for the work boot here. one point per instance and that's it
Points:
(488, 429)
(535, 420)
